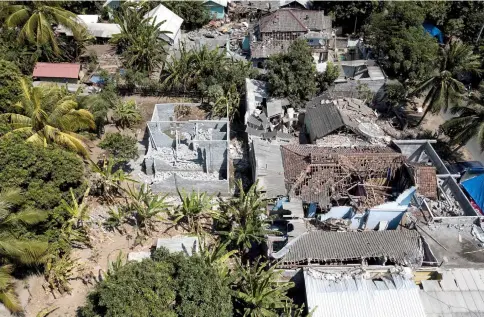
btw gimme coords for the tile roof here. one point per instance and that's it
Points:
(320, 119)
(57, 70)
(392, 295)
(293, 20)
(400, 247)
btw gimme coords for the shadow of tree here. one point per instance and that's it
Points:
(442, 147)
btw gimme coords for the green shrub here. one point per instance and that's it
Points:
(121, 147)
(169, 285)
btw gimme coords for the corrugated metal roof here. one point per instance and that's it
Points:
(268, 167)
(172, 21)
(88, 18)
(360, 297)
(178, 244)
(320, 119)
(460, 293)
(103, 30)
(57, 70)
(400, 247)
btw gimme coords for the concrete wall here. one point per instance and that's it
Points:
(451, 184)
(375, 216)
(171, 184)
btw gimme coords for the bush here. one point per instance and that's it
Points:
(9, 87)
(126, 114)
(169, 285)
(121, 147)
(45, 174)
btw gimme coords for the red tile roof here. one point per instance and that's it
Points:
(57, 70)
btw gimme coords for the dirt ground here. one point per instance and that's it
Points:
(94, 261)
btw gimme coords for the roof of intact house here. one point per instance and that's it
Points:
(460, 293)
(57, 70)
(172, 22)
(323, 119)
(403, 247)
(293, 20)
(394, 295)
(335, 295)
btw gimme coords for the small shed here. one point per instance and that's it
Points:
(216, 8)
(57, 72)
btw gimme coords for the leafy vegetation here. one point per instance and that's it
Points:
(442, 88)
(326, 79)
(123, 147)
(194, 13)
(50, 115)
(35, 20)
(9, 88)
(126, 114)
(169, 285)
(195, 208)
(293, 74)
(140, 43)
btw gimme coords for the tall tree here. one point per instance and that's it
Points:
(195, 14)
(399, 41)
(9, 87)
(469, 122)
(442, 88)
(50, 115)
(293, 75)
(35, 20)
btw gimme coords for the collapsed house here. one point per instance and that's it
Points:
(349, 116)
(186, 155)
(265, 117)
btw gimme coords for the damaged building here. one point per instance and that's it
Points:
(187, 155)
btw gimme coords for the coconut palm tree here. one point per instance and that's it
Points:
(442, 88)
(36, 19)
(228, 104)
(469, 122)
(8, 297)
(14, 250)
(11, 248)
(258, 291)
(50, 115)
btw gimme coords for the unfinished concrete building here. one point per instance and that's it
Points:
(187, 155)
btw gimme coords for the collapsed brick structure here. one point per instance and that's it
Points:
(363, 176)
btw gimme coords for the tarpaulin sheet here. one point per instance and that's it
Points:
(475, 188)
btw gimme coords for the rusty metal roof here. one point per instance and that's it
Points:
(57, 70)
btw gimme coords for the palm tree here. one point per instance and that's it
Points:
(50, 115)
(140, 42)
(177, 74)
(443, 89)
(8, 297)
(469, 123)
(195, 207)
(36, 19)
(258, 292)
(13, 249)
(126, 114)
(73, 230)
(216, 255)
(243, 216)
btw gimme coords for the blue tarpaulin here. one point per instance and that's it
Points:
(434, 31)
(475, 188)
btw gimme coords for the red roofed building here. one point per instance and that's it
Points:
(57, 72)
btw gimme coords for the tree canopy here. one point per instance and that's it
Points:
(195, 14)
(293, 74)
(9, 88)
(168, 285)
